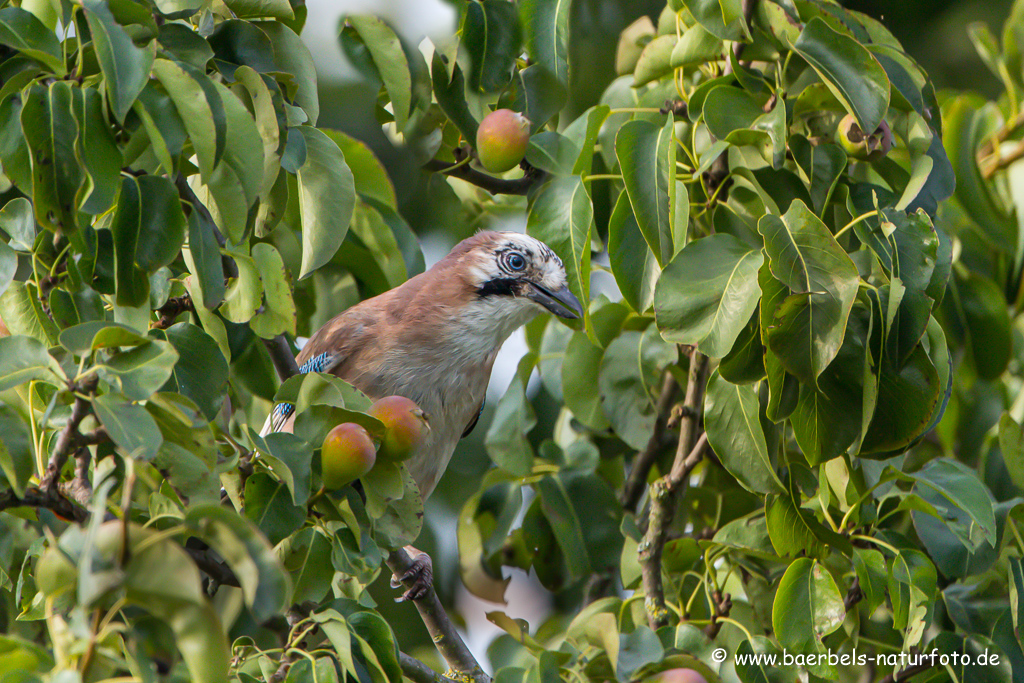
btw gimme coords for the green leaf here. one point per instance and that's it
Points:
(140, 371)
(821, 166)
(506, 441)
(871, 573)
(17, 454)
(22, 31)
(326, 199)
(292, 56)
(558, 509)
(18, 221)
(735, 433)
(23, 314)
(811, 322)
(546, 28)
(451, 96)
(204, 254)
(370, 178)
(561, 216)
(278, 314)
(707, 293)
(50, 132)
(98, 151)
(720, 18)
(200, 108)
(647, 156)
(912, 583)
(629, 382)
(201, 372)
(125, 66)
(849, 70)
(268, 505)
(251, 9)
(129, 426)
(161, 223)
(247, 552)
(738, 118)
(637, 649)
(795, 531)
(22, 359)
(633, 264)
(655, 60)
(906, 399)
(289, 458)
(808, 606)
(960, 485)
(491, 36)
(1011, 443)
(307, 556)
(244, 294)
(389, 58)
(980, 308)
(696, 46)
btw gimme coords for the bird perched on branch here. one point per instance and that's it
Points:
(434, 340)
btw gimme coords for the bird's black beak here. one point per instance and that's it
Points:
(561, 302)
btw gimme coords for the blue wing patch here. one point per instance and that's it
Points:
(315, 364)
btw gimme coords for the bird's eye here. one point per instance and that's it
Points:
(515, 262)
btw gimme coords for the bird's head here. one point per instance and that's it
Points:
(517, 272)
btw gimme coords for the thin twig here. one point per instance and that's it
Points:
(665, 492)
(69, 439)
(282, 357)
(722, 605)
(906, 673)
(642, 463)
(418, 672)
(447, 640)
(49, 500)
(494, 185)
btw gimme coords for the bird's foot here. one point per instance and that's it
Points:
(420, 573)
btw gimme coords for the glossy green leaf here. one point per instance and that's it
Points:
(629, 381)
(250, 9)
(21, 30)
(491, 36)
(561, 216)
(8, 266)
(129, 426)
(558, 509)
(871, 573)
(912, 583)
(696, 46)
(735, 433)
(140, 371)
(506, 440)
(647, 155)
(1011, 443)
(849, 70)
(539, 95)
(125, 66)
(633, 264)
(546, 32)
(18, 221)
(706, 295)
(204, 254)
(821, 167)
(268, 505)
(23, 314)
(369, 175)
(739, 118)
(326, 199)
(278, 315)
(98, 150)
(450, 92)
(292, 56)
(386, 50)
(719, 17)
(200, 108)
(810, 324)
(244, 294)
(201, 372)
(981, 310)
(307, 556)
(906, 399)
(17, 455)
(50, 132)
(808, 606)
(655, 60)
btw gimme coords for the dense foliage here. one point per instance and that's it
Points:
(798, 430)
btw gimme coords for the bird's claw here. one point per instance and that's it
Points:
(421, 576)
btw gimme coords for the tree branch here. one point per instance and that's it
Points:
(447, 640)
(642, 463)
(50, 500)
(69, 439)
(665, 493)
(519, 186)
(418, 672)
(282, 357)
(174, 307)
(906, 673)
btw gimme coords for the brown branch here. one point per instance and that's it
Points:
(174, 307)
(642, 463)
(906, 673)
(282, 357)
(69, 439)
(665, 492)
(721, 606)
(853, 596)
(49, 500)
(519, 186)
(213, 567)
(447, 640)
(1002, 162)
(418, 672)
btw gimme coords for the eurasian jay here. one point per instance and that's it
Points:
(434, 339)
